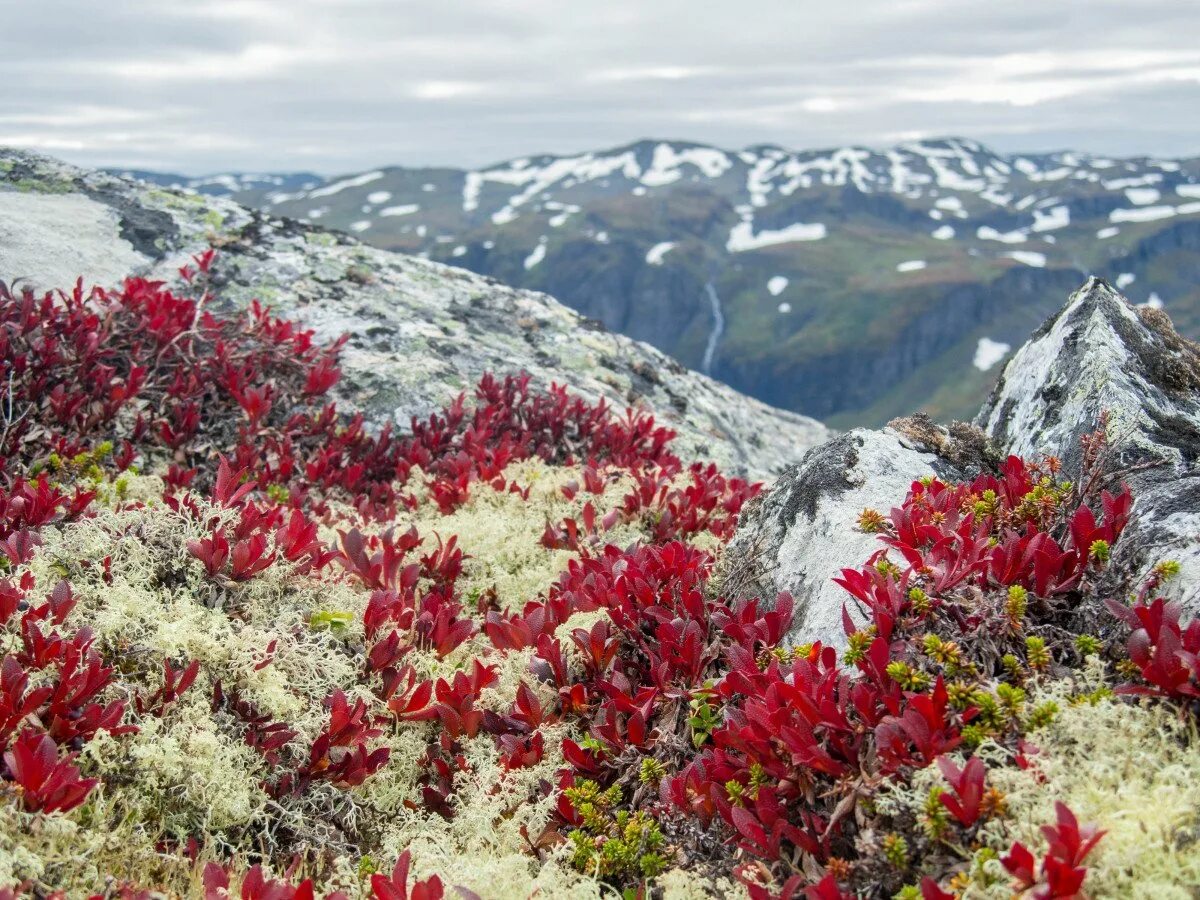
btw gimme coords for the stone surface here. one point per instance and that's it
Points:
(803, 532)
(35, 246)
(1101, 354)
(420, 332)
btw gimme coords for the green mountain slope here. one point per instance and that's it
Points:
(848, 284)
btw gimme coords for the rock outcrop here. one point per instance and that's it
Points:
(1099, 356)
(420, 332)
(796, 537)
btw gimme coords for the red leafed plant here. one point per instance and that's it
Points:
(255, 886)
(397, 887)
(1164, 650)
(48, 783)
(965, 802)
(1061, 873)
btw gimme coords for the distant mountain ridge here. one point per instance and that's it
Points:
(850, 284)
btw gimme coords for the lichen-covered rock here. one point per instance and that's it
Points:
(420, 332)
(797, 536)
(1101, 355)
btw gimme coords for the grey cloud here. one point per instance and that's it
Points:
(340, 85)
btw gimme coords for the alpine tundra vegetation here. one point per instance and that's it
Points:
(260, 641)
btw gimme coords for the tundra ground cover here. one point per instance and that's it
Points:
(252, 647)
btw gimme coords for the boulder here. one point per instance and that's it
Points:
(1098, 356)
(419, 332)
(800, 534)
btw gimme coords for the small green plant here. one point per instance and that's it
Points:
(870, 521)
(330, 619)
(1036, 652)
(651, 772)
(705, 716)
(1087, 644)
(613, 843)
(895, 848)
(1016, 604)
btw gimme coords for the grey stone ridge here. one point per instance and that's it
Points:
(419, 332)
(1100, 354)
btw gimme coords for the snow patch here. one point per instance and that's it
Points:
(1153, 301)
(1029, 258)
(1105, 233)
(987, 233)
(1141, 214)
(912, 265)
(404, 209)
(1052, 218)
(654, 256)
(360, 226)
(377, 197)
(1119, 184)
(742, 237)
(1143, 196)
(989, 352)
(538, 254)
(785, 307)
(665, 167)
(776, 285)
(1188, 190)
(356, 181)
(1125, 279)
(944, 233)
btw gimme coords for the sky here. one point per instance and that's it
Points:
(334, 86)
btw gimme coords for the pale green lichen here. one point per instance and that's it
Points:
(1132, 770)
(501, 532)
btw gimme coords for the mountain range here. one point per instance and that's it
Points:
(848, 284)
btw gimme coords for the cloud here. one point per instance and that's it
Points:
(448, 90)
(651, 73)
(344, 85)
(252, 62)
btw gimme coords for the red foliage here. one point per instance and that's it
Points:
(1166, 652)
(396, 887)
(48, 784)
(175, 683)
(255, 886)
(966, 801)
(1061, 873)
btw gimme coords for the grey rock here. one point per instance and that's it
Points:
(420, 332)
(800, 534)
(1098, 355)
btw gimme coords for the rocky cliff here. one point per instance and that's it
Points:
(419, 332)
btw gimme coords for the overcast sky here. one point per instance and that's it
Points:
(341, 85)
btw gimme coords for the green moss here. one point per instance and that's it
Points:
(320, 239)
(48, 185)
